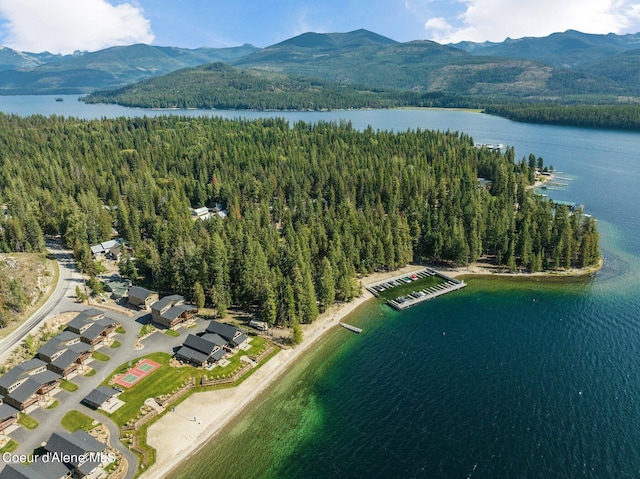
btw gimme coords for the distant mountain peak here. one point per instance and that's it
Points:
(360, 37)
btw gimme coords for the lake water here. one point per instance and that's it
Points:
(504, 379)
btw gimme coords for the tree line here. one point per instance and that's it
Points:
(620, 117)
(310, 206)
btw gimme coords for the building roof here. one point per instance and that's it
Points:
(51, 469)
(139, 292)
(91, 313)
(10, 377)
(51, 347)
(25, 390)
(65, 360)
(66, 336)
(166, 301)
(192, 355)
(81, 348)
(227, 331)
(7, 411)
(99, 396)
(17, 470)
(175, 311)
(58, 342)
(200, 344)
(75, 444)
(214, 338)
(92, 332)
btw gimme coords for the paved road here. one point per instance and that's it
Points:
(60, 300)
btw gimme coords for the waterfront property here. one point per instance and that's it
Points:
(171, 311)
(202, 350)
(445, 285)
(234, 337)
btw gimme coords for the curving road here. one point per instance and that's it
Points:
(59, 301)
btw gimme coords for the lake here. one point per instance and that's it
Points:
(506, 378)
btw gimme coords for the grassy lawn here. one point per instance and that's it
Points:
(9, 447)
(27, 421)
(97, 355)
(167, 379)
(172, 332)
(163, 380)
(120, 330)
(115, 344)
(91, 372)
(258, 345)
(74, 420)
(146, 329)
(68, 386)
(53, 405)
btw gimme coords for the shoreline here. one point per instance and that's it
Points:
(176, 436)
(482, 268)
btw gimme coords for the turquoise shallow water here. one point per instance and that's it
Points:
(507, 378)
(504, 379)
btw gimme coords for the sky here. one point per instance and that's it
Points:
(64, 26)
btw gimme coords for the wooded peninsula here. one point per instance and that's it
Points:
(309, 206)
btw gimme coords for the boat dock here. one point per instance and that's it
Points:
(416, 297)
(350, 328)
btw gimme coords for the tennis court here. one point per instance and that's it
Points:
(137, 372)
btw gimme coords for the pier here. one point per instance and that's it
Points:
(351, 328)
(403, 302)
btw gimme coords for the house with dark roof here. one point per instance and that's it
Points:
(202, 350)
(57, 345)
(8, 416)
(142, 297)
(99, 397)
(84, 320)
(93, 327)
(64, 353)
(171, 311)
(38, 469)
(234, 337)
(79, 451)
(28, 383)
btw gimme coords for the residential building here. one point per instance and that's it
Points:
(142, 297)
(171, 311)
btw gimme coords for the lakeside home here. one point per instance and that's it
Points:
(171, 311)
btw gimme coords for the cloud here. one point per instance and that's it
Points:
(495, 20)
(63, 26)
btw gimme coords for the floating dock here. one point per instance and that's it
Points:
(351, 328)
(416, 297)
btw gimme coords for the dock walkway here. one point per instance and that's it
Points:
(416, 297)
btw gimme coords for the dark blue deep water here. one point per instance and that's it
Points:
(504, 379)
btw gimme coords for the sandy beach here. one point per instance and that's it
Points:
(176, 436)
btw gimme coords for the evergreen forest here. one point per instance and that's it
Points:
(310, 206)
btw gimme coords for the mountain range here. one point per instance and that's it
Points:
(561, 65)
